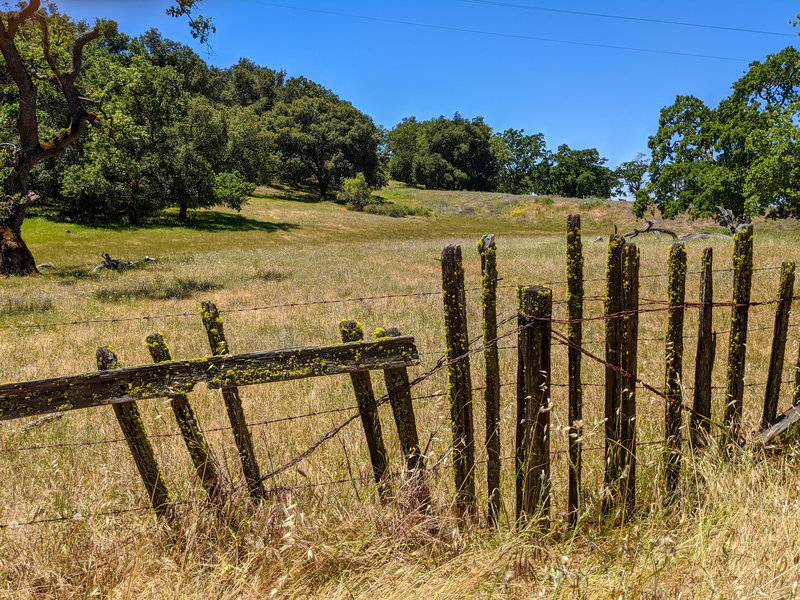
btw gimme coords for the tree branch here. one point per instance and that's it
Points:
(77, 52)
(46, 46)
(650, 228)
(17, 19)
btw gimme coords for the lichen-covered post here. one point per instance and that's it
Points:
(130, 421)
(773, 390)
(704, 365)
(575, 336)
(614, 458)
(459, 389)
(233, 403)
(351, 331)
(737, 347)
(674, 366)
(199, 451)
(535, 309)
(629, 349)
(399, 391)
(488, 254)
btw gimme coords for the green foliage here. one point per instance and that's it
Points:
(355, 192)
(231, 190)
(524, 160)
(441, 153)
(323, 140)
(631, 176)
(737, 155)
(578, 174)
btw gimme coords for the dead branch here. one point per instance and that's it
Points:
(650, 228)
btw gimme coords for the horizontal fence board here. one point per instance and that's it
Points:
(781, 425)
(29, 398)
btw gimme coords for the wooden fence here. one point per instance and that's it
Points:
(536, 332)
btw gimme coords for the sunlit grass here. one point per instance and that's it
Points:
(732, 534)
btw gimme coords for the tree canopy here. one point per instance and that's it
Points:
(737, 155)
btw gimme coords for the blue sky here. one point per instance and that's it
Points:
(508, 61)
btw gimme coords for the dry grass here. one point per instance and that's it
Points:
(733, 532)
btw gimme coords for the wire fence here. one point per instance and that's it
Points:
(649, 305)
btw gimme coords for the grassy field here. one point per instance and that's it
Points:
(732, 533)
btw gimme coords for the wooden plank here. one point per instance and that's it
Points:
(488, 253)
(352, 331)
(700, 421)
(673, 373)
(459, 388)
(130, 422)
(782, 424)
(614, 459)
(536, 307)
(773, 390)
(737, 345)
(204, 463)
(399, 392)
(212, 321)
(629, 358)
(574, 356)
(29, 398)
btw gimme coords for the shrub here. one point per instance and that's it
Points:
(355, 192)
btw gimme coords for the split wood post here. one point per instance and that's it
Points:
(233, 403)
(614, 457)
(629, 351)
(773, 390)
(488, 254)
(737, 347)
(701, 414)
(459, 389)
(198, 448)
(575, 336)
(519, 439)
(130, 421)
(351, 331)
(535, 310)
(676, 295)
(796, 393)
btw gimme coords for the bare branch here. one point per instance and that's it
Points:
(46, 45)
(650, 228)
(77, 52)
(17, 19)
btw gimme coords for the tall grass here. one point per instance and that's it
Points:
(732, 533)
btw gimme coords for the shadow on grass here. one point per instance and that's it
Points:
(214, 221)
(173, 289)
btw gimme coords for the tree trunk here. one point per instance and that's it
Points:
(182, 212)
(323, 189)
(15, 257)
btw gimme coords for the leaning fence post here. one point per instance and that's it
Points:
(628, 362)
(614, 458)
(535, 312)
(199, 451)
(737, 347)
(399, 391)
(130, 421)
(233, 403)
(575, 336)
(674, 365)
(701, 414)
(351, 331)
(459, 382)
(778, 344)
(488, 254)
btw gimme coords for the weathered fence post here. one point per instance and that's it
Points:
(351, 331)
(533, 470)
(676, 295)
(199, 451)
(701, 414)
(773, 390)
(628, 361)
(459, 388)
(575, 336)
(488, 254)
(233, 403)
(742, 283)
(614, 458)
(130, 421)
